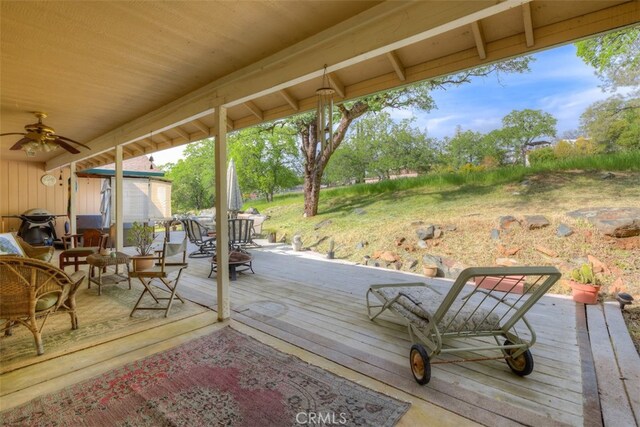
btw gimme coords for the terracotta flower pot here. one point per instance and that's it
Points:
(430, 270)
(587, 294)
(142, 262)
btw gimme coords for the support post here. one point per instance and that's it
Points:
(222, 225)
(73, 194)
(119, 200)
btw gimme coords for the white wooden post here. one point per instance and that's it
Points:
(222, 225)
(119, 200)
(73, 207)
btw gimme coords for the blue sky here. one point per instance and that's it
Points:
(558, 83)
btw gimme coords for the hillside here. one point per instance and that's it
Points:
(362, 225)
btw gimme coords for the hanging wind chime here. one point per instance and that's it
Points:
(325, 112)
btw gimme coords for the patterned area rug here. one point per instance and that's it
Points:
(100, 319)
(223, 379)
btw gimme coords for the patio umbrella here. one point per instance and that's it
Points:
(234, 197)
(105, 204)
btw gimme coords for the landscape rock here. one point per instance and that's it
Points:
(506, 262)
(533, 222)
(387, 256)
(359, 211)
(322, 224)
(507, 221)
(598, 266)
(615, 222)
(447, 267)
(411, 264)
(422, 244)
(546, 251)
(396, 265)
(437, 233)
(564, 230)
(495, 234)
(425, 233)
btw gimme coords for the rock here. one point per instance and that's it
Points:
(615, 222)
(607, 175)
(415, 223)
(422, 244)
(376, 254)
(533, 222)
(598, 266)
(450, 228)
(359, 211)
(399, 241)
(507, 221)
(618, 285)
(425, 233)
(411, 264)
(396, 265)
(447, 267)
(495, 234)
(437, 233)
(564, 230)
(546, 251)
(628, 243)
(506, 262)
(388, 256)
(322, 224)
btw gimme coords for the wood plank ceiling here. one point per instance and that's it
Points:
(104, 71)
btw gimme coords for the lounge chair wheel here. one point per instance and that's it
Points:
(420, 365)
(521, 365)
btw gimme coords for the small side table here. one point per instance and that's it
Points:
(101, 262)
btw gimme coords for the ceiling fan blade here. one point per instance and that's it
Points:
(18, 145)
(69, 148)
(75, 142)
(12, 133)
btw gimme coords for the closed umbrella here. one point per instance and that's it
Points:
(234, 197)
(105, 204)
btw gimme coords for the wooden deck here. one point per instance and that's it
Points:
(315, 309)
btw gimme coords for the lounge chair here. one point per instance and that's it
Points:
(470, 316)
(200, 236)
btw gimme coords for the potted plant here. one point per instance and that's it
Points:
(141, 236)
(584, 284)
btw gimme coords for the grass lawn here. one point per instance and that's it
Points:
(379, 214)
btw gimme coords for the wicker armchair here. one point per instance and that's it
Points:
(43, 253)
(33, 289)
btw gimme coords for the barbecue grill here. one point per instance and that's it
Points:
(38, 227)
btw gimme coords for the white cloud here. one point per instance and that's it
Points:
(171, 155)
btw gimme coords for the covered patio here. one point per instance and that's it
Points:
(129, 79)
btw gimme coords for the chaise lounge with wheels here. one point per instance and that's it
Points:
(483, 310)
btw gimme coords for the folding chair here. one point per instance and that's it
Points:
(166, 273)
(471, 322)
(199, 235)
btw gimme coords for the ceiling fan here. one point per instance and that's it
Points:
(40, 137)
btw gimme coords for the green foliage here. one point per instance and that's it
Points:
(473, 148)
(613, 123)
(266, 159)
(521, 127)
(585, 275)
(141, 236)
(615, 57)
(193, 178)
(541, 155)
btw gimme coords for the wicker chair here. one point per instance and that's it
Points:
(33, 289)
(43, 253)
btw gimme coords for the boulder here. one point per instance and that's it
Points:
(422, 244)
(425, 232)
(615, 222)
(388, 256)
(564, 230)
(495, 234)
(533, 222)
(437, 233)
(447, 267)
(507, 221)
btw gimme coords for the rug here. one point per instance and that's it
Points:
(100, 319)
(222, 379)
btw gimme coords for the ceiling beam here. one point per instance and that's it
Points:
(397, 65)
(254, 110)
(290, 99)
(335, 83)
(201, 126)
(528, 24)
(478, 36)
(183, 133)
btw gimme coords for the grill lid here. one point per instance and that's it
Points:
(37, 212)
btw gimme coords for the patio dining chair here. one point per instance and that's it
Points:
(165, 275)
(241, 233)
(77, 247)
(200, 236)
(33, 289)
